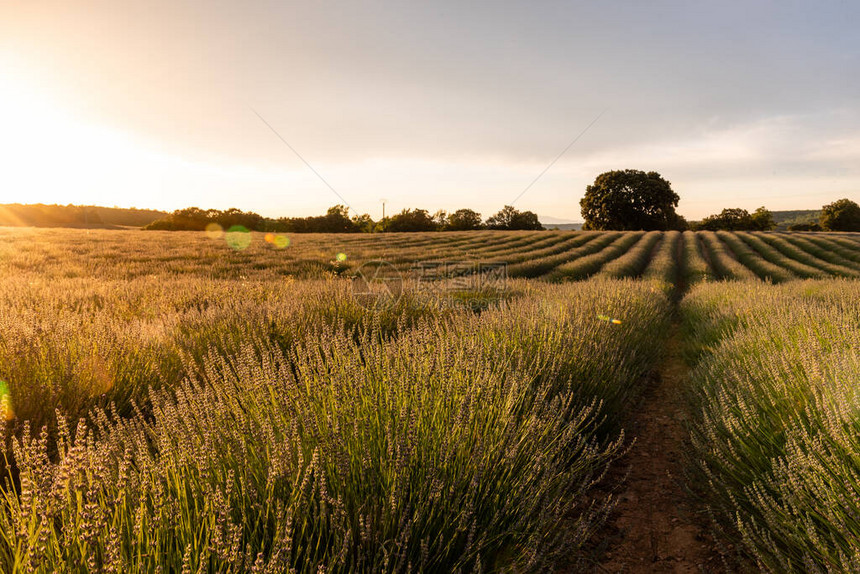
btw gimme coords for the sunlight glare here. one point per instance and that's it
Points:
(6, 412)
(52, 156)
(238, 237)
(214, 231)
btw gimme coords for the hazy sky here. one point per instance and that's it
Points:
(438, 105)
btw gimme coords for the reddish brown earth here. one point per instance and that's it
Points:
(655, 527)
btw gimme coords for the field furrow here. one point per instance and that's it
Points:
(753, 260)
(808, 254)
(587, 243)
(695, 267)
(821, 251)
(587, 265)
(723, 261)
(633, 262)
(558, 244)
(664, 263)
(846, 250)
(779, 258)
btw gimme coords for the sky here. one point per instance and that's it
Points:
(286, 108)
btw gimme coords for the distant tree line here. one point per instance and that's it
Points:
(338, 220)
(841, 215)
(86, 216)
(196, 219)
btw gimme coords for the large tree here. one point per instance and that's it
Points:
(841, 215)
(629, 199)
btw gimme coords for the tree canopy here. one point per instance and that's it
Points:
(737, 219)
(762, 219)
(841, 215)
(510, 218)
(464, 220)
(338, 220)
(629, 200)
(409, 220)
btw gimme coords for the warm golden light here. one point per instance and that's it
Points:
(52, 156)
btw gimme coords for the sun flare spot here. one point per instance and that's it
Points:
(279, 241)
(6, 411)
(214, 231)
(238, 237)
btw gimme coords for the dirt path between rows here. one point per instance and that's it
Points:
(654, 528)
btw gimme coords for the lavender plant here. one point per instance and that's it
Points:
(465, 444)
(775, 434)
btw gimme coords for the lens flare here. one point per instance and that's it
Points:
(95, 372)
(340, 256)
(214, 231)
(238, 237)
(609, 319)
(279, 241)
(5, 402)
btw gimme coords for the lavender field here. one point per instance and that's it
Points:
(193, 402)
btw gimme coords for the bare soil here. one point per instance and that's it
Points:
(655, 528)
